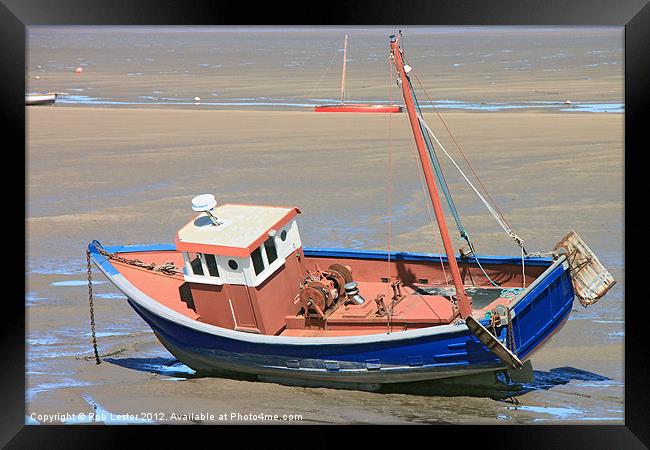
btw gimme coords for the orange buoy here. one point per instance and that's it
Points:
(78, 70)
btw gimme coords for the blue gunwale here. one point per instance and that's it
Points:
(412, 256)
(359, 254)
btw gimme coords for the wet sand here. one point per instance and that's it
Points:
(121, 176)
(303, 65)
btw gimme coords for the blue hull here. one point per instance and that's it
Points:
(432, 353)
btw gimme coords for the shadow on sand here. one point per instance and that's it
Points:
(171, 367)
(497, 385)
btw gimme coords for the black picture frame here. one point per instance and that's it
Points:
(634, 15)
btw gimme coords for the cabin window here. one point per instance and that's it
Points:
(195, 263)
(283, 235)
(271, 252)
(211, 262)
(233, 264)
(258, 262)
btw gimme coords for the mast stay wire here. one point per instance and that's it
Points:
(425, 195)
(322, 75)
(436, 165)
(424, 192)
(463, 233)
(438, 169)
(427, 205)
(443, 182)
(495, 206)
(498, 218)
(491, 205)
(390, 189)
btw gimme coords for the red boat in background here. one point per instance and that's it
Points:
(359, 107)
(355, 107)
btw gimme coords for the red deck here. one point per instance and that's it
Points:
(359, 108)
(412, 311)
(275, 310)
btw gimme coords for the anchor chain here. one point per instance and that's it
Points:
(91, 306)
(167, 268)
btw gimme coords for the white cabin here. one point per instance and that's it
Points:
(246, 245)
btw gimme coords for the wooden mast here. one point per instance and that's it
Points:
(464, 302)
(345, 53)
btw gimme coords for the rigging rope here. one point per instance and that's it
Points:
(495, 210)
(426, 132)
(492, 207)
(458, 147)
(322, 75)
(494, 213)
(443, 182)
(428, 206)
(438, 170)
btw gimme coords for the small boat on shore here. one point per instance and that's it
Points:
(238, 293)
(355, 107)
(46, 98)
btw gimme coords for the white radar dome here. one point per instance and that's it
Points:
(204, 202)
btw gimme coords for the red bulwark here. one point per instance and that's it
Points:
(271, 307)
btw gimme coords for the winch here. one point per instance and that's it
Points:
(323, 291)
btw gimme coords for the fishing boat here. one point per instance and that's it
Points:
(46, 98)
(354, 107)
(238, 293)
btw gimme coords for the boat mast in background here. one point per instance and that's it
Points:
(345, 54)
(354, 107)
(464, 302)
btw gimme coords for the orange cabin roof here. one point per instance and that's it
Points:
(241, 229)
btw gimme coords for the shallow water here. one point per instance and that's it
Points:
(278, 103)
(294, 67)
